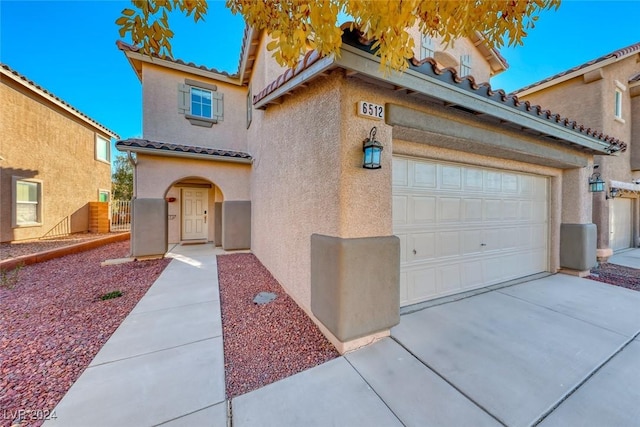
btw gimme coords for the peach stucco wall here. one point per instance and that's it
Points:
(163, 122)
(156, 178)
(43, 142)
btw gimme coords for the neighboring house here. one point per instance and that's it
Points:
(475, 188)
(605, 93)
(54, 161)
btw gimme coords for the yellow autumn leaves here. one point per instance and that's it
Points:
(297, 25)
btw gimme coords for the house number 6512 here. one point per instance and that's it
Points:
(370, 110)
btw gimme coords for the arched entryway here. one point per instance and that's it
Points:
(194, 211)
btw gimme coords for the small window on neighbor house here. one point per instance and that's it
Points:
(27, 202)
(465, 65)
(103, 196)
(102, 149)
(427, 49)
(618, 104)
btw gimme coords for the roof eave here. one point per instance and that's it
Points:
(182, 154)
(58, 103)
(359, 61)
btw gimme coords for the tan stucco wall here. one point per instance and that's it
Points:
(480, 68)
(43, 142)
(156, 177)
(162, 122)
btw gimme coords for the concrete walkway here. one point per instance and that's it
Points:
(164, 365)
(557, 351)
(628, 258)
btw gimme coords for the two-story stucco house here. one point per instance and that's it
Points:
(605, 93)
(474, 187)
(54, 160)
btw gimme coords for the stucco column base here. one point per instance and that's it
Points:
(236, 225)
(149, 236)
(602, 255)
(578, 246)
(355, 285)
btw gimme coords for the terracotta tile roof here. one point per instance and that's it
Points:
(32, 85)
(179, 148)
(635, 78)
(449, 76)
(615, 54)
(123, 46)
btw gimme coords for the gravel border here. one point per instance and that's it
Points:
(263, 343)
(53, 322)
(29, 247)
(616, 275)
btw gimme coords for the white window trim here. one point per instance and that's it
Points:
(617, 108)
(100, 138)
(184, 103)
(210, 92)
(108, 192)
(14, 201)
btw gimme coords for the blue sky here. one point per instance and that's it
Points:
(69, 48)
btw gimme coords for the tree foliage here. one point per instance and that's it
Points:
(122, 179)
(297, 25)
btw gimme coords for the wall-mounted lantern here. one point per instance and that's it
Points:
(614, 192)
(596, 184)
(372, 151)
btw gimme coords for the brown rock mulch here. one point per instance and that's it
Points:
(617, 275)
(52, 322)
(263, 343)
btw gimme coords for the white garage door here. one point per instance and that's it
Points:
(620, 223)
(463, 227)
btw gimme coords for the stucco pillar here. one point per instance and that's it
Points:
(601, 219)
(577, 232)
(149, 227)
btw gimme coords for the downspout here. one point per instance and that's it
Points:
(134, 163)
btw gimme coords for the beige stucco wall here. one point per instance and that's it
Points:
(480, 68)
(44, 142)
(162, 122)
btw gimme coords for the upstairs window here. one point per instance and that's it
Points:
(618, 104)
(27, 203)
(200, 102)
(427, 49)
(102, 149)
(465, 65)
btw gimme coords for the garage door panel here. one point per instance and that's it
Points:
(471, 242)
(493, 209)
(473, 180)
(451, 177)
(400, 175)
(423, 246)
(423, 209)
(424, 175)
(472, 210)
(449, 209)
(448, 244)
(462, 227)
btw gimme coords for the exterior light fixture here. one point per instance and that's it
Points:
(372, 151)
(596, 184)
(614, 192)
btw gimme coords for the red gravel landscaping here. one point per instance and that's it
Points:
(263, 343)
(617, 275)
(53, 322)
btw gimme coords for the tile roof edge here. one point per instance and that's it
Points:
(618, 54)
(28, 83)
(181, 148)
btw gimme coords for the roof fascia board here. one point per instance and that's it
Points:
(182, 67)
(316, 68)
(199, 156)
(247, 51)
(51, 99)
(566, 77)
(365, 63)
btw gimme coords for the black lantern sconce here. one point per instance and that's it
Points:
(372, 151)
(596, 184)
(613, 193)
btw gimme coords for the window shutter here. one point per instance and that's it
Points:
(184, 101)
(218, 105)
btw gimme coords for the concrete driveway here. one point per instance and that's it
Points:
(557, 351)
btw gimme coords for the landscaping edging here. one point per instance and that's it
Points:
(10, 264)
